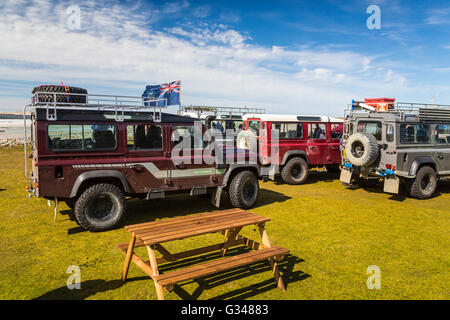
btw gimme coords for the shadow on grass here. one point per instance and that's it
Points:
(286, 269)
(208, 282)
(92, 287)
(442, 188)
(139, 211)
(88, 288)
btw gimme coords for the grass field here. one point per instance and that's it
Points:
(334, 233)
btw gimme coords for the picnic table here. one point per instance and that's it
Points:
(227, 222)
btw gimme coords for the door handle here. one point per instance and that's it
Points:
(180, 166)
(137, 167)
(440, 156)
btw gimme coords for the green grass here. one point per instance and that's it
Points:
(334, 233)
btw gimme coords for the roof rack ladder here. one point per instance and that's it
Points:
(116, 105)
(50, 116)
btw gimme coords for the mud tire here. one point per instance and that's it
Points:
(45, 94)
(243, 190)
(420, 188)
(103, 197)
(362, 149)
(295, 171)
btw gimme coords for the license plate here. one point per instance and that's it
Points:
(391, 184)
(346, 176)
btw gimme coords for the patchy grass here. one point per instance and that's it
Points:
(334, 233)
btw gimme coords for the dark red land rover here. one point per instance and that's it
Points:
(93, 151)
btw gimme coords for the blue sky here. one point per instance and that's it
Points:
(286, 56)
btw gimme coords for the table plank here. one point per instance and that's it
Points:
(166, 222)
(204, 229)
(189, 225)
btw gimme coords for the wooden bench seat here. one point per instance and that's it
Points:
(219, 265)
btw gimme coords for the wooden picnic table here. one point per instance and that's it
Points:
(227, 222)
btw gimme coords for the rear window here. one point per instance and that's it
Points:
(414, 133)
(81, 137)
(371, 127)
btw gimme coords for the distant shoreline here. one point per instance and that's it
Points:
(12, 115)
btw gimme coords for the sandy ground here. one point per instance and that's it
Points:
(11, 129)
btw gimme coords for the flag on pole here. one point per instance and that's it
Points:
(169, 92)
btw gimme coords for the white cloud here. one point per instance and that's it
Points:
(117, 48)
(438, 16)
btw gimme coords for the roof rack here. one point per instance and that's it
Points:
(221, 110)
(98, 102)
(424, 111)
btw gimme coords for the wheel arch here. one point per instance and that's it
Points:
(419, 163)
(235, 169)
(100, 176)
(294, 153)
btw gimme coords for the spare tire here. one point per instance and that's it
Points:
(362, 149)
(247, 140)
(65, 96)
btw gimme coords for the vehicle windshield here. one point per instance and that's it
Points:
(372, 127)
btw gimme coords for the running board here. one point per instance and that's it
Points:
(155, 194)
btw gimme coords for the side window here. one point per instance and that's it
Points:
(144, 137)
(316, 131)
(180, 133)
(442, 135)
(255, 125)
(414, 133)
(372, 127)
(389, 132)
(86, 137)
(289, 130)
(336, 130)
(99, 136)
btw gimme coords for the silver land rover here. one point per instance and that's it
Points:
(397, 143)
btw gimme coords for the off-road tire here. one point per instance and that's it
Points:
(417, 189)
(98, 192)
(247, 140)
(45, 94)
(362, 149)
(295, 171)
(238, 193)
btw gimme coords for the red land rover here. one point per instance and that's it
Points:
(303, 142)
